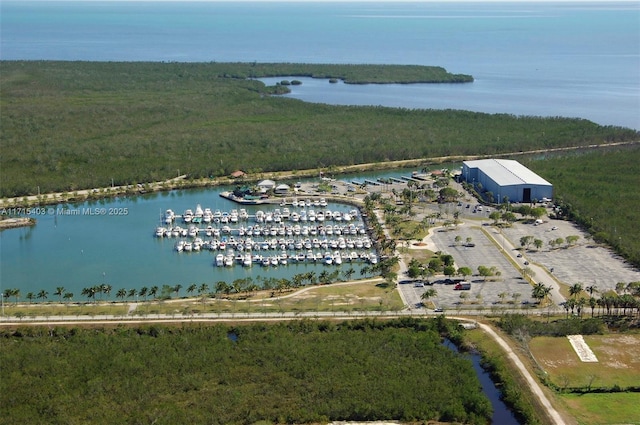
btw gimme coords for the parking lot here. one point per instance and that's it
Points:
(483, 253)
(585, 262)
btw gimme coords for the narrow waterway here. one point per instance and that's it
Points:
(502, 415)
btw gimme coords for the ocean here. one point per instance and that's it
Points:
(569, 59)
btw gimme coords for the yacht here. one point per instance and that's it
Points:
(337, 258)
(169, 216)
(180, 246)
(187, 216)
(220, 260)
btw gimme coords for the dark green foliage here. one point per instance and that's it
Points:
(511, 391)
(74, 125)
(518, 324)
(296, 372)
(599, 190)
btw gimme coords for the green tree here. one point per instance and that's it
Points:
(59, 292)
(465, 271)
(575, 289)
(428, 294)
(43, 295)
(192, 288)
(538, 243)
(153, 291)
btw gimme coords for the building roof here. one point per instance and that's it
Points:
(506, 172)
(267, 183)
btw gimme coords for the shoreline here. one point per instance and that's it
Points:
(15, 222)
(183, 181)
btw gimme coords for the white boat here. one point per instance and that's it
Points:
(192, 232)
(180, 246)
(207, 217)
(187, 216)
(328, 258)
(373, 258)
(220, 260)
(169, 216)
(247, 261)
(337, 258)
(160, 231)
(228, 260)
(188, 246)
(199, 212)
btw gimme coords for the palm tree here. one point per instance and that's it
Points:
(144, 291)
(31, 296)
(575, 289)
(592, 303)
(311, 277)
(15, 292)
(324, 277)
(59, 292)
(68, 296)
(106, 289)
(348, 273)
(222, 287)
(539, 292)
(153, 291)
(502, 296)
(192, 288)
(177, 289)
(132, 293)
(86, 292)
(591, 289)
(429, 293)
(122, 293)
(204, 288)
(43, 295)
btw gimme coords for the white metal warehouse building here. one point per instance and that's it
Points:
(504, 177)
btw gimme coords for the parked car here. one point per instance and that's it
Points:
(438, 310)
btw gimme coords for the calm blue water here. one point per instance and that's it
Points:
(78, 251)
(550, 59)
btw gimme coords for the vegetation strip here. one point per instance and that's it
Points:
(153, 121)
(296, 372)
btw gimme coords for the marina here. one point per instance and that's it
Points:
(124, 251)
(272, 237)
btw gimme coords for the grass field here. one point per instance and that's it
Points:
(618, 361)
(618, 364)
(340, 298)
(603, 409)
